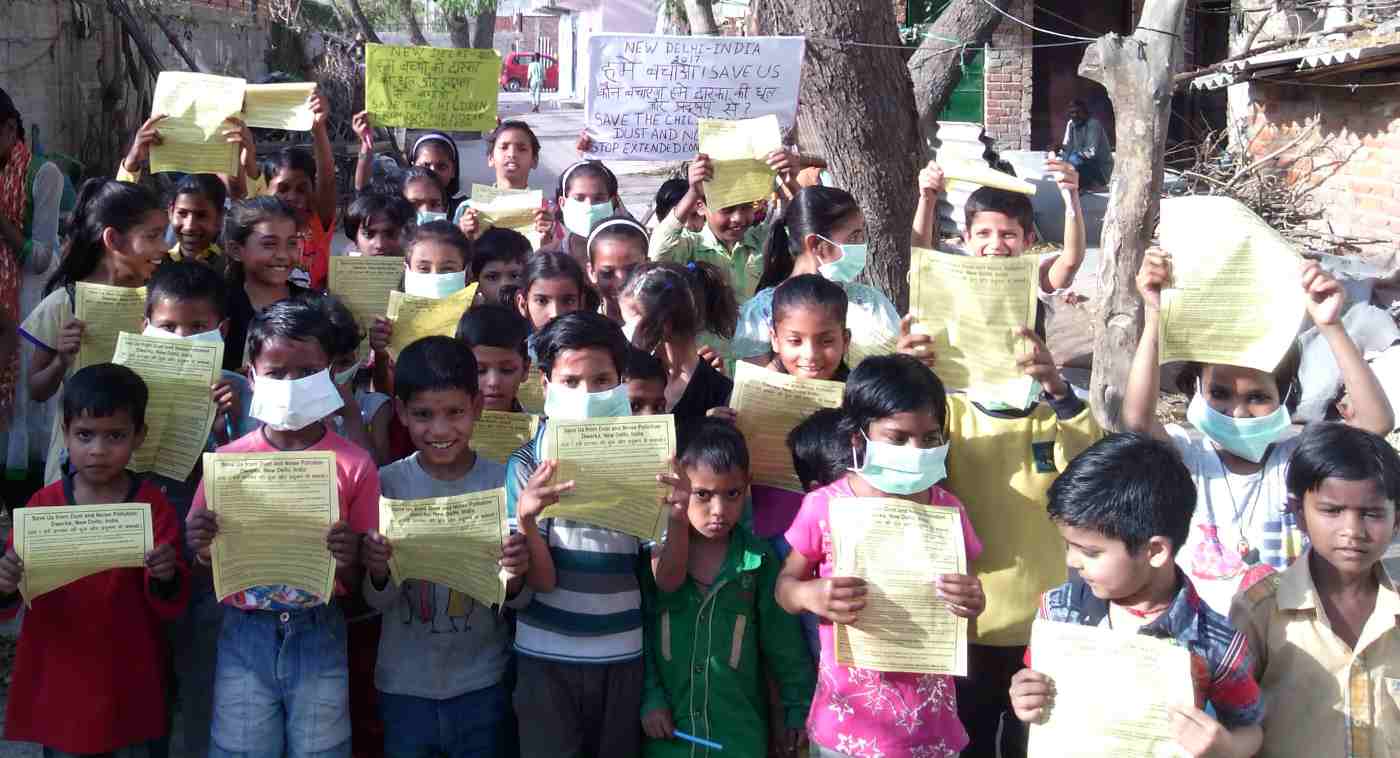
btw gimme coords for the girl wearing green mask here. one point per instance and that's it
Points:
(1240, 461)
(821, 232)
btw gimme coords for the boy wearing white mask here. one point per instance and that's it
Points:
(1240, 460)
(185, 300)
(730, 239)
(580, 639)
(282, 675)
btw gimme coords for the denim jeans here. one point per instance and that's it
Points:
(471, 725)
(281, 684)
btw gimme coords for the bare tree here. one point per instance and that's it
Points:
(1138, 72)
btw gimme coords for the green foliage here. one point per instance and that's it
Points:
(466, 7)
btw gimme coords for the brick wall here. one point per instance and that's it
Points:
(1007, 103)
(1354, 166)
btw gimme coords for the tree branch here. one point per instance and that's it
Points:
(936, 66)
(122, 11)
(362, 21)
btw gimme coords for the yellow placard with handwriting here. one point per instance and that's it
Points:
(452, 89)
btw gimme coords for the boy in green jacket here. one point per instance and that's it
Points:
(713, 645)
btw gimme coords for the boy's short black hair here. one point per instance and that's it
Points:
(207, 186)
(495, 325)
(1127, 487)
(1005, 202)
(369, 204)
(103, 389)
(580, 330)
(435, 363)
(301, 318)
(186, 281)
(644, 366)
(1337, 451)
(821, 454)
(496, 244)
(717, 446)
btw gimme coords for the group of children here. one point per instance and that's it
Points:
(1256, 551)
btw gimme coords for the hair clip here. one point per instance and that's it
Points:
(690, 265)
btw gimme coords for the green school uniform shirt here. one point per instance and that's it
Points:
(707, 654)
(671, 241)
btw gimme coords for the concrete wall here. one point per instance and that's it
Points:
(55, 55)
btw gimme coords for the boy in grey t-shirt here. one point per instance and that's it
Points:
(442, 655)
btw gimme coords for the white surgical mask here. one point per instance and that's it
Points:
(427, 217)
(290, 405)
(1249, 438)
(435, 286)
(580, 216)
(848, 266)
(571, 404)
(213, 335)
(902, 469)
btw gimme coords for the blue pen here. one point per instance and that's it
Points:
(698, 741)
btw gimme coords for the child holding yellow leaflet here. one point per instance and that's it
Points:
(894, 415)
(282, 671)
(442, 656)
(730, 239)
(723, 619)
(580, 639)
(117, 239)
(1240, 461)
(89, 673)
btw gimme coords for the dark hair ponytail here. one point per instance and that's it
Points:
(101, 203)
(813, 210)
(715, 296)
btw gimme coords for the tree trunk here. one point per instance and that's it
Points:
(936, 67)
(701, 15)
(863, 95)
(173, 39)
(484, 29)
(415, 32)
(459, 28)
(1138, 73)
(362, 22)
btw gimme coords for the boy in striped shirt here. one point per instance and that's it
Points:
(579, 641)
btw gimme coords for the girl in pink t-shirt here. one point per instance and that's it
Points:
(893, 410)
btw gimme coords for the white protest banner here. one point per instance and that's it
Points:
(647, 92)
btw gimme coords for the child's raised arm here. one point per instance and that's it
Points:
(1060, 273)
(323, 201)
(926, 215)
(364, 167)
(48, 367)
(1144, 381)
(138, 158)
(1325, 300)
(667, 238)
(669, 560)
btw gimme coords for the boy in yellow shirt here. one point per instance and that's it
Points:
(1324, 632)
